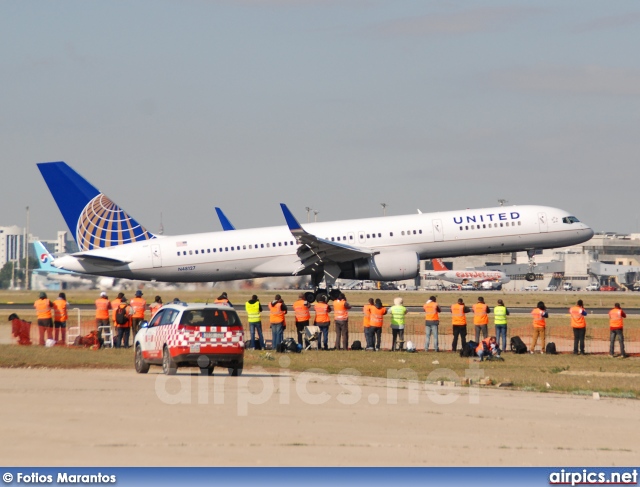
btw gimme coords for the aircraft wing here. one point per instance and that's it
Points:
(314, 251)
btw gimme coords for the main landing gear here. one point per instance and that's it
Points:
(329, 293)
(531, 276)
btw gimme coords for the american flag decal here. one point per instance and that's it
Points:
(181, 244)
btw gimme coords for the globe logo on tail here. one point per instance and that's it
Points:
(102, 223)
(44, 258)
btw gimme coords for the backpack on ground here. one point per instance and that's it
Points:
(291, 345)
(121, 315)
(469, 350)
(551, 348)
(281, 347)
(517, 345)
(356, 345)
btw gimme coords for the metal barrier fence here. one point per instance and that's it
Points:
(596, 340)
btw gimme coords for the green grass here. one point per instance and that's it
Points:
(527, 372)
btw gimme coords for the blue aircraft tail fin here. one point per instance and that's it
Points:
(224, 221)
(94, 220)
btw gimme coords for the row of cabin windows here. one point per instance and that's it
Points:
(488, 225)
(279, 244)
(379, 235)
(235, 247)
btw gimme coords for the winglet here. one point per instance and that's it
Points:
(292, 223)
(224, 221)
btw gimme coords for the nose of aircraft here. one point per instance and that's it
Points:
(588, 232)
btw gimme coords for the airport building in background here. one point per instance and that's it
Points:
(607, 259)
(13, 248)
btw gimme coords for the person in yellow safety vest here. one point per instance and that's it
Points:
(155, 306)
(431, 322)
(488, 346)
(366, 324)
(500, 314)
(322, 320)
(459, 324)
(398, 312)
(138, 306)
(481, 319)
(123, 328)
(45, 322)
(253, 309)
(616, 324)
(376, 319)
(539, 314)
(277, 310)
(302, 315)
(579, 326)
(341, 316)
(60, 317)
(223, 299)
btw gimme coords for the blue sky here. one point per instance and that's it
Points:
(177, 107)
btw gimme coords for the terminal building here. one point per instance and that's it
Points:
(607, 259)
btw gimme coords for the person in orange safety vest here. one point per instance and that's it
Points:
(302, 315)
(481, 319)
(459, 324)
(341, 316)
(45, 323)
(616, 325)
(277, 310)
(579, 326)
(322, 320)
(539, 314)
(60, 317)
(138, 306)
(376, 319)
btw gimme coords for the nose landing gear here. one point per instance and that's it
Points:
(531, 276)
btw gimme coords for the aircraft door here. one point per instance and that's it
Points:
(351, 238)
(156, 257)
(438, 232)
(542, 221)
(361, 237)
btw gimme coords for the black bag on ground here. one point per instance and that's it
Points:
(291, 345)
(281, 348)
(551, 348)
(356, 345)
(469, 350)
(517, 345)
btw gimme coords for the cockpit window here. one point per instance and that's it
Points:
(570, 219)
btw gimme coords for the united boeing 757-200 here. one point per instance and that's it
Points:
(113, 244)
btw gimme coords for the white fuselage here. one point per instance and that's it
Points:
(271, 251)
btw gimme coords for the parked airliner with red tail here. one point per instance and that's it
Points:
(113, 244)
(488, 279)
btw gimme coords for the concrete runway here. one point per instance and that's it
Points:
(118, 418)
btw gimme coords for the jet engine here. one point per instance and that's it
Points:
(387, 266)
